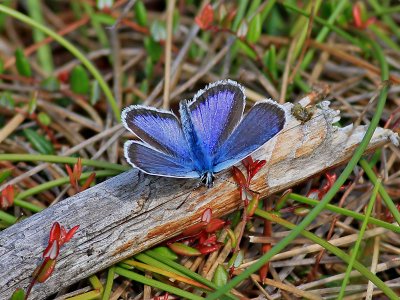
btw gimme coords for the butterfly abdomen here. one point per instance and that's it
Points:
(200, 159)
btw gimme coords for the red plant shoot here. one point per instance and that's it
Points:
(320, 193)
(7, 197)
(75, 176)
(359, 21)
(206, 17)
(252, 168)
(200, 236)
(58, 237)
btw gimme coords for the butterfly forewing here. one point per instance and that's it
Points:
(263, 121)
(158, 128)
(154, 162)
(215, 113)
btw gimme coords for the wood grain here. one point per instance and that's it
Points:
(133, 211)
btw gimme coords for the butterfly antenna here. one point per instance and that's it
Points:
(228, 181)
(238, 185)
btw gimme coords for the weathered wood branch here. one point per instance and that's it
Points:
(132, 212)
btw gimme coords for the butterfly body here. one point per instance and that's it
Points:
(210, 136)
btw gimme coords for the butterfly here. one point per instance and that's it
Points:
(211, 135)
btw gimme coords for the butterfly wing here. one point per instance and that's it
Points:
(154, 162)
(263, 121)
(160, 129)
(215, 112)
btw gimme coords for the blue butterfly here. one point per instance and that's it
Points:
(212, 134)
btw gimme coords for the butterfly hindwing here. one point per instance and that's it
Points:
(154, 162)
(215, 112)
(159, 128)
(263, 121)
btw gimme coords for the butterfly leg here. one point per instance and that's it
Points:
(208, 179)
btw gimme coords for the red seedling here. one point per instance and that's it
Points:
(249, 197)
(201, 237)
(58, 237)
(63, 76)
(359, 17)
(320, 193)
(75, 176)
(7, 197)
(206, 17)
(252, 168)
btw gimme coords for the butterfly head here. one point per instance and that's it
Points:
(208, 179)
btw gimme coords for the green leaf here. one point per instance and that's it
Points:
(153, 48)
(22, 63)
(19, 294)
(239, 259)
(246, 49)
(236, 260)
(105, 19)
(221, 276)
(270, 62)
(79, 80)
(6, 100)
(254, 32)
(166, 252)
(1, 66)
(4, 174)
(51, 84)
(3, 16)
(254, 6)
(95, 93)
(44, 118)
(39, 142)
(144, 86)
(149, 67)
(32, 104)
(183, 249)
(158, 31)
(140, 13)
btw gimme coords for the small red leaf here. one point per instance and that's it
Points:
(52, 250)
(55, 232)
(248, 161)
(209, 249)
(46, 269)
(214, 225)
(238, 176)
(206, 216)
(206, 17)
(194, 229)
(7, 197)
(63, 76)
(88, 182)
(358, 22)
(256, 167)
(208, 240)
(71, 233)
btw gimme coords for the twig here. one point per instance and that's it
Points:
(168, 52)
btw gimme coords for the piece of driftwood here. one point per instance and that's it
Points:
(133, 211)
